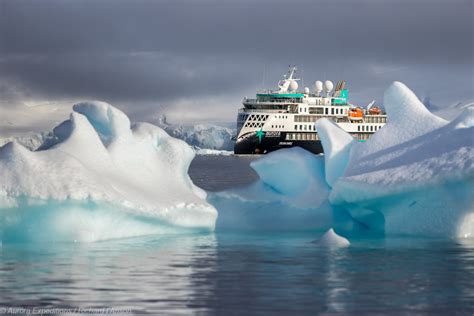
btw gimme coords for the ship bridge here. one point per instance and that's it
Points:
(274, 101)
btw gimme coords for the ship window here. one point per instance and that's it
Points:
(326, 111)
(301, 127)
(358, 128)
(296, 127)
(332, 111)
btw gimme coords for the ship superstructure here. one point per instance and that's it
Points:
(286, 117)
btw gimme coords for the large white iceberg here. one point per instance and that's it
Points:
(99, 178)
(415, 176)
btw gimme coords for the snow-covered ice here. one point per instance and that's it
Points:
(99, 178)
(332, 240)
(415, 176)
(337, 145)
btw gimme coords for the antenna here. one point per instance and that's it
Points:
(263, 77)
(302, 76)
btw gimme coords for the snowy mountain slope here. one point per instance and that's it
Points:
(448, 112)
(201, 136)
(31, 141)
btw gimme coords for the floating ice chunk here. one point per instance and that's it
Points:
(97, 162)
(294, 172)
(337, 145)
(332, 240)
(291, 195)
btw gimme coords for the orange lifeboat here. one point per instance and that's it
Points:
(355, 114)
(375, 111)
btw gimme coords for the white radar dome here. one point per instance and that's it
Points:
(293, 85)
(306, 90)
(318, 86)
(328, 85)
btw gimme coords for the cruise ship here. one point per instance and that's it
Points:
(286, 117)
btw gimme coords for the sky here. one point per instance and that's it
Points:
(195, 60)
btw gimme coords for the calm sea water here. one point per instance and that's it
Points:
(240, 274)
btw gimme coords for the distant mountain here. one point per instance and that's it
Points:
(31, 141)
(447, 112)
(200, 136)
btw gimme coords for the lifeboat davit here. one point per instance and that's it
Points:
(355, 114)
(375, 111)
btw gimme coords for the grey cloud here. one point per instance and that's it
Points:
(161, 52)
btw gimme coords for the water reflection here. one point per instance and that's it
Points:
(242, 274)
(147, 274)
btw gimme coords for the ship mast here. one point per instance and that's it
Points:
(289, 82)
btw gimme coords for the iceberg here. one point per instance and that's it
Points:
(415, 176)
(291, 194)
(100, 177)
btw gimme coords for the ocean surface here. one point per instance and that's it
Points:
(238, 274)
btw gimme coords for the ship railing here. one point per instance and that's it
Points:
(255, 101)
(265, 110)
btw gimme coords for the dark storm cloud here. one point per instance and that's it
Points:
(156, 51)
